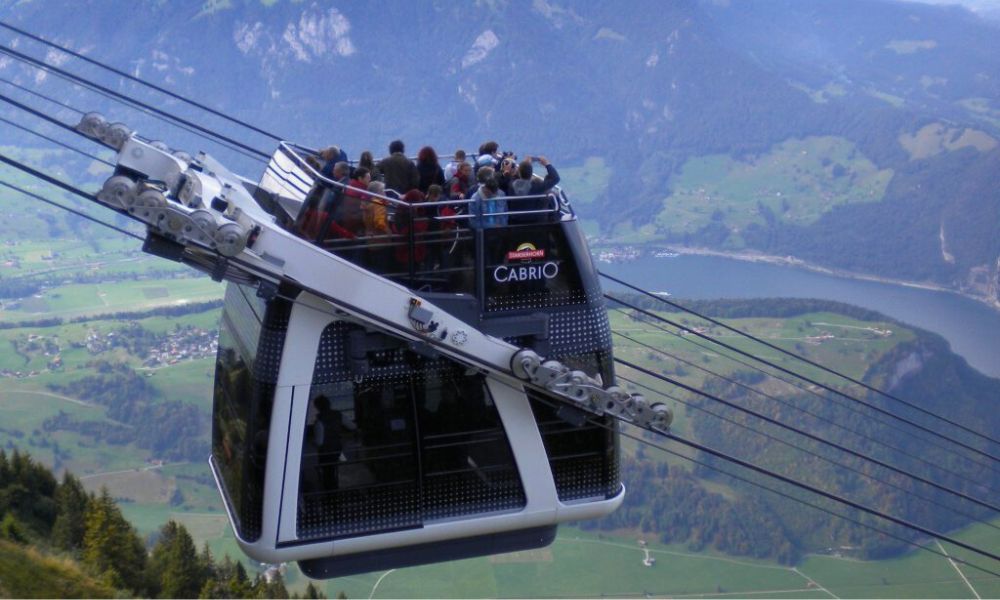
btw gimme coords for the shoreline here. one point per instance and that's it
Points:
(791, 261)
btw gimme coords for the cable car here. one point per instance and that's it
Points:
(382, 402)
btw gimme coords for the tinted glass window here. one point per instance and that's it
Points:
(584, 458)
(359, 468)
(241, 412)
(417, 439)
(467, 463)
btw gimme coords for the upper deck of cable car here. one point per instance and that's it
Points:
(500, 262)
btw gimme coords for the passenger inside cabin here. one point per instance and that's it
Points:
(489, 202)
(329, 217)
(527, 184)
(377, 229)
(449, 170)
(459, 185)
(355, 196)
(429, 168)
(367, 161)
(489, 155)
(412, 225)
(321, 449)
(399, 172)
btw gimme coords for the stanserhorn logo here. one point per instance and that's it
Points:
(526, 251)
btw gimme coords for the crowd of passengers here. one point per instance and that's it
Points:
(479, 186)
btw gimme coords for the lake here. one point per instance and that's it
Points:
(972, 328)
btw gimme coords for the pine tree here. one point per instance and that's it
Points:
(313, 593)
(275, 588)
(111, 546)
(4, 469)
(175, 565)
(71, 506)
(10, 529)
(239, 583)
(206, 564)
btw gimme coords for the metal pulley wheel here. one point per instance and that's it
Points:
(148, 204)
(524, 364)
(662, 417)
(118, 192)
(201, 226)
(92, 124)
(578, 387)
(616, 401)
(115, 135)
(230, 239)
(173, 221)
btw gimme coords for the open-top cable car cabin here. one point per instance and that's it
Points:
(381, 400)
(352, 450)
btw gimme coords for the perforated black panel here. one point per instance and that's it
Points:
(354, 512)
(579, 330)
(584, 459)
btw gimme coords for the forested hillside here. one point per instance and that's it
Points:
(58, 541)
(860, 134)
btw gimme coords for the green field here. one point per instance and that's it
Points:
(584, 564)
(75, 300)
(795, 183)
(798, 180)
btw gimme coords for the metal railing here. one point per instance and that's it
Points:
(426, 249)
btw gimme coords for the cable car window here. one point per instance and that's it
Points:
(240, 415)
(468, 466)
(416, 439)
(530, 267)
(359, 469)
(584, 459)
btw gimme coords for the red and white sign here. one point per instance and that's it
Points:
(526, 251)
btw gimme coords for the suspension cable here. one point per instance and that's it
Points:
(132, 106)
(122, 97)
(74, 109)
(67, 208)
(140, 81)
(834, 400)
(804, 378)
(815, 415)
(55, 141)
(38, 114)
(40, 95)
(808, 361)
